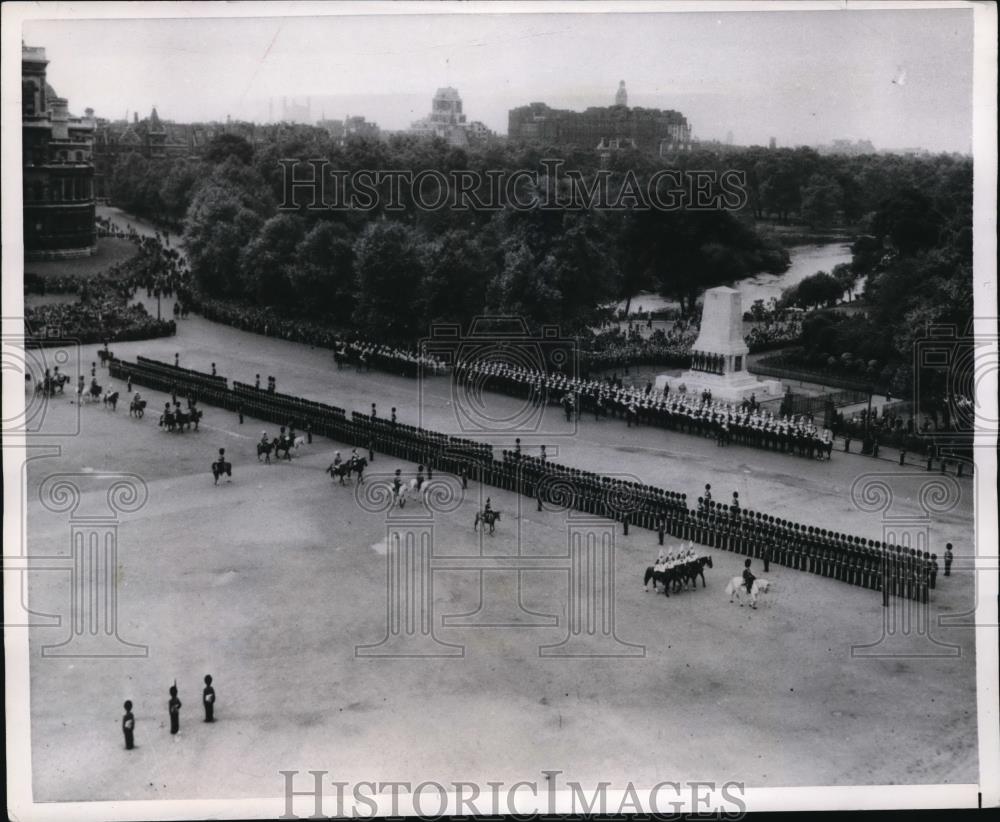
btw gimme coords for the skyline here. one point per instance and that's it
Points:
(900, 79)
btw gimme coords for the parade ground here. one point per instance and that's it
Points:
(271, 582)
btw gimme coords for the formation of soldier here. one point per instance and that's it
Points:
(895, 570)
(174, 706)
(700, 415)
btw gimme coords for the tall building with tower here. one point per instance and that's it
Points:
(621, 98)
(605, 129)
(58, 168)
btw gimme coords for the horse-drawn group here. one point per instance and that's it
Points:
(177, 419)
(284, 443)
(52, 383)
(341, 469)
(676, 572)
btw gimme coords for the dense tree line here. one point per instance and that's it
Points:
(394, 271)
(918, 268)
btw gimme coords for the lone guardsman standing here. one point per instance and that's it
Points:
(208, 699)
(128, 726)
(948, 557)
(175, 709)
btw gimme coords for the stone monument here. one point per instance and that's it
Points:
(718, 357)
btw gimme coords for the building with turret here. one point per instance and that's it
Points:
(58, 168)
(605, 129)
(151, 138)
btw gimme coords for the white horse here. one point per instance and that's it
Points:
(411, 491)
(737, 590)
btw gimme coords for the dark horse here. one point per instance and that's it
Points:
(220, 467)
(679, 576)
(690, 571)
(667, 578)
(264, 450)
(285, 444)
(489, 519)
(355, 465)
(137, 407)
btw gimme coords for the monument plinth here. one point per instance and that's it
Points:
(718, 356)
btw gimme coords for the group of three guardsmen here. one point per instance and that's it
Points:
(174, 708)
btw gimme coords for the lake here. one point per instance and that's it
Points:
(806, 260)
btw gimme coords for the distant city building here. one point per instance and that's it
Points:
(772, 143)
(334, 128)
(621, 97)
(608, 129)
(58, 168)
(446, 119)
(291, 111)
(360, 127)
(151, 138)
(848, 148)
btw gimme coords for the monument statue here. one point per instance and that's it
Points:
(719, 355)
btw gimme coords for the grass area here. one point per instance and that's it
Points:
(110, 250)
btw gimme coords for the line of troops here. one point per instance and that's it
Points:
(690, 414)
(905, 572)
(386, 358)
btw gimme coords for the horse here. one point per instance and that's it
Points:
(264, 450)
(111, 400)
(340, 472)
(95, 391)
(52, 385)
(666, 577)
(690, 571)
(286, 444)
(489, 520)
(357, 466)
(738, 590)
(418, 489)
(220, 467)
(188, 418)
(168, 421)
(138, 408)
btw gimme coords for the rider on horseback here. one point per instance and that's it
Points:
(487, 509)
(748, 577)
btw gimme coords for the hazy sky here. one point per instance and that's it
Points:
(899, 78)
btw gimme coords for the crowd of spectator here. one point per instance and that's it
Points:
(101, 314)
(349, 349)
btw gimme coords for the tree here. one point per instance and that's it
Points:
(322, 272)
(389, 271)
(822, 200)
(223, 146)
(222, 220)
(457, 272)
(819, 289)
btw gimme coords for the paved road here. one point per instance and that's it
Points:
(269, 584)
